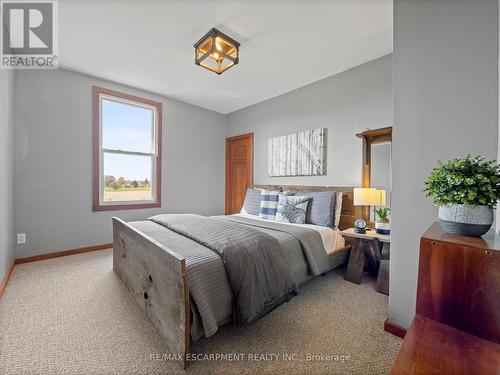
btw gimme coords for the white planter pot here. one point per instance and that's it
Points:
(383, 228)
(466, 220)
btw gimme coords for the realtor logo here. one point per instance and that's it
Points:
(29, 34)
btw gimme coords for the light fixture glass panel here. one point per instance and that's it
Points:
(200, 53)
(206, 45)
(233, 53)
(210, 63)
(223, 45)
(226, 63)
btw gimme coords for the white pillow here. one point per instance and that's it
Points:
(338, 208)
(292, 209)
(251, 204)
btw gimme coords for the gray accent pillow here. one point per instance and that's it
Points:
(292, 209)
(251, 205)
(321, 208)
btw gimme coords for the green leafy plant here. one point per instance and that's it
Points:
(383, 214)
(466, 181)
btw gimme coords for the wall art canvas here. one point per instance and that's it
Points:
(298, 154)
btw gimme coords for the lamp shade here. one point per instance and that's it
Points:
(369, 197)
(382, 201)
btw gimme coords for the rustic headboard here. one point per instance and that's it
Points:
(349, 212)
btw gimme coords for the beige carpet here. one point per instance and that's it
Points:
(72, 315)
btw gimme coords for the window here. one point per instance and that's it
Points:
(127, 151)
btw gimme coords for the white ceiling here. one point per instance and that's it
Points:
(284, 44)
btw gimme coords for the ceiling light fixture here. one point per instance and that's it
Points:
(216, 52)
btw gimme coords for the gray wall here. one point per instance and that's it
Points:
(6, 171)
(53, 162)
(346, 103)
(445, 105)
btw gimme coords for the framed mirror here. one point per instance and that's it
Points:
(376, 164)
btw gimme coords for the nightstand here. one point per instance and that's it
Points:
(365, 252)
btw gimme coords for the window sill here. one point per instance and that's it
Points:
(118, 207)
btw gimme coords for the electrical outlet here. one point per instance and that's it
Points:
(21, 238)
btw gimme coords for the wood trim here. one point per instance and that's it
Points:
(431, 347)
(228, 141)
(6, 278)
(63, 253)
(238, 137)
(366, 175)
(394, 328)
(375, 133)
(119, 207)
(96, 206)
(488, 241)
(228, 185)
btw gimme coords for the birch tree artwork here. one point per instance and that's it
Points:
(298, 154)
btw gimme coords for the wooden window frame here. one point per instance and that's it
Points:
(96, 190)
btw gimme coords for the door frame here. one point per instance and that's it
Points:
(228, 141)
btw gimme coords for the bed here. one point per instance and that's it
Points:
(187, 291)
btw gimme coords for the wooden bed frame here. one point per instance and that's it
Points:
(157, 276)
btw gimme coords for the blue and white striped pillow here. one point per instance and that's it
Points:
(269, 204)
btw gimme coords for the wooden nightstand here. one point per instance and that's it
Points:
(366, 252)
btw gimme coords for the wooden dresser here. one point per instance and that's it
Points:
(456, 329)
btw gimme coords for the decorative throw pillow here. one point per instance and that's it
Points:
(269, 204)
(321, 208)
(252, 202)
(292, 209)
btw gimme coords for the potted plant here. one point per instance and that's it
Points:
(382, 225)
(466, 191)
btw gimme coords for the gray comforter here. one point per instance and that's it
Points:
(311, 241)
(258, 273)
(209, 285)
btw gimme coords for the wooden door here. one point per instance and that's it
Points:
(239, 170)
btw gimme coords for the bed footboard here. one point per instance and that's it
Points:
(157, 279)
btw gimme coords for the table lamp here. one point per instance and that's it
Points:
(367, 197)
